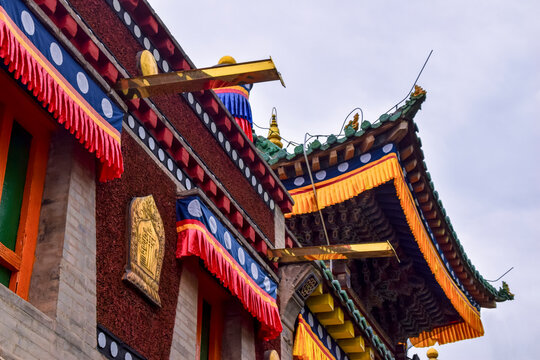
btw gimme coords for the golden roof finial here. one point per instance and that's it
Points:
(273, 132)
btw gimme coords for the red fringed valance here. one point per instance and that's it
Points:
(26, 64)
(196, 240)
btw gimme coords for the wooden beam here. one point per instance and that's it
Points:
(332, 159)
(366, 143)
(343, 331)
(199, 79)
(355, 345)
(335, 317)
(334, 252)
(349, 152)
(406, 152)
(320, 303)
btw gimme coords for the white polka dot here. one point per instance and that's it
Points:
(365, 158)
(343, 167)
(319, 330)
(227, 239)
(161, 154)
(157, 56)
(198, 108)
(310, 319)
(137, 31)
(259, 189)
(114, 349)
(151, 143)
(28, 22)
(206, 118)
(190, 98)
(102, 340)
(146, 43)
(329, 342)
(194, 208)
(220, 137)
(179, 174)
(266, 197)
(131, 121)
(320, 175)
(247, 172)
(142, 133)
(213, 224)
(127, 19)
(267, 284)
(386, 148)
(227, 146)
(302, 311)
(213, 127)
(234, 155)
(272, 205)
(106, 106)
(299, 181)
(241, 256)
(56, 54)
(165, 66)
(188, 184)
(170, 164)
(116, 5)
(82, 82)
(253, 181)
(241, 164)
(127, 356)
(338, 353)
(254, 271)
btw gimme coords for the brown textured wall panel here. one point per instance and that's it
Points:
(119, 40)
(120, 308)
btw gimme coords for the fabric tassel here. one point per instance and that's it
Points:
(55, 99)
(199, 243)
(307, 346)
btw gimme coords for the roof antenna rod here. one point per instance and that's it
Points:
(412, 87)
(500, 277)
(315, 191)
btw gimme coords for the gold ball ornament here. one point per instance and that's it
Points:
(432, 353)
(227, 60)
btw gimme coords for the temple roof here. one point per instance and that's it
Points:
(399, 128)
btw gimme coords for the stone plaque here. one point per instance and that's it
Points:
(146, 243)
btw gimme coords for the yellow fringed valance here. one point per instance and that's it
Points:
(351, 184)
(445, 334)
(307, 345)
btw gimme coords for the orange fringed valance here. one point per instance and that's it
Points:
(351, 184)
(445, 334)
(307, 346)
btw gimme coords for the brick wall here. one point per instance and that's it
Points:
(62, 324)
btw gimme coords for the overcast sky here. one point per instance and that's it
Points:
(479, 126)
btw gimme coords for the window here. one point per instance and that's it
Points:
(24, 145)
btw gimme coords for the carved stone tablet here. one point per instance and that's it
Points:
(146, 240)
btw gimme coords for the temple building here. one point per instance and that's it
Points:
(146, 227)
(366, 185)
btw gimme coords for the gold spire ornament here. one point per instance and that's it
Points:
(273, 132)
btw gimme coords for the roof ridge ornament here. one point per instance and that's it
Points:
(418, 91)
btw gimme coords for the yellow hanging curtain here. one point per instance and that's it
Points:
(351, 184)
(307, 345)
